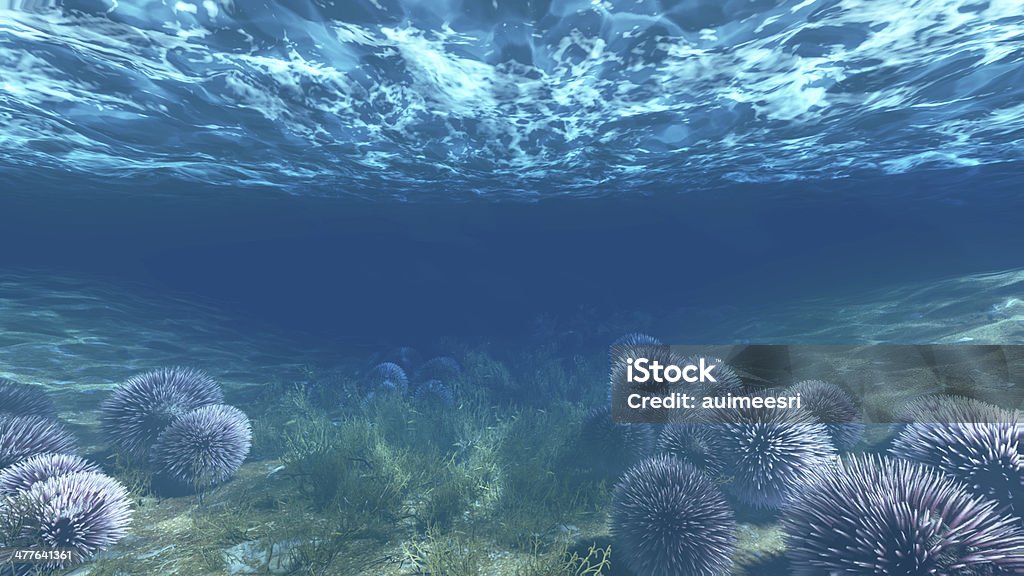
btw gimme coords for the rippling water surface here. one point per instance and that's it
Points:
(523, 99)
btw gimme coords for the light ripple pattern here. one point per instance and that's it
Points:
(414, 100)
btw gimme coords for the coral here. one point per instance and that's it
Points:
(880, 516)
(832, 406)
(141, 407)
(18, 399)
(203, 447)
(24, 436)
(985, 456)
(24, 474)
(388, 376)
(769, 452)
(694, 443)
(668, 519)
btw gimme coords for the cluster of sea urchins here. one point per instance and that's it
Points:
(430, 382)
(176, 419)
(973, 442)
(51, 499)
(876, 515)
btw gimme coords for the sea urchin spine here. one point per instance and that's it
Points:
(84, 512)
(141, 407)
(880, 516)
(204, 447)
(669, 519)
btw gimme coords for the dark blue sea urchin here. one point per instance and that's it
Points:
(18, 399)
(388, 377)
(694, 443)
(434, 391)
(726, 378)
(85, 512)
(204, 447)
(407, 357)
(141, 407)
(832, 406)
(632, 347)
(24, 436)
(443, 368)
(608, 448)
(669, 519)
(879, 516)
(41, 467)
(636, 339)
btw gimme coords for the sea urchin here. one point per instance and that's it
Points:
(145, 404)
(85, 512)
(388, 377)
(668, 519)
(18, 399)
(769, 452)
(879, 516)
(24, 436)
(985, 456)
(41, 467)
(832, 406)
(204, 447)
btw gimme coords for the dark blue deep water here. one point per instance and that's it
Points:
(282, 193)
(377, 272)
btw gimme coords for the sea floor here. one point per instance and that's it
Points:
(339, 483)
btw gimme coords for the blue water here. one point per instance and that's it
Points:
(381, 272)
(269, 189)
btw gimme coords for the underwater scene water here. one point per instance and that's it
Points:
(346, 288)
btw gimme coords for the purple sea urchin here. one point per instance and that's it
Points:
(832, 406)
(878, 516)
(696, 444)
(388, 376)
(985, 456)
(17, 399)
(141, 407)
(85, 512)
(769, 452)
(668, 519)
(24, 436)
(41, 467)
(204, 447)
